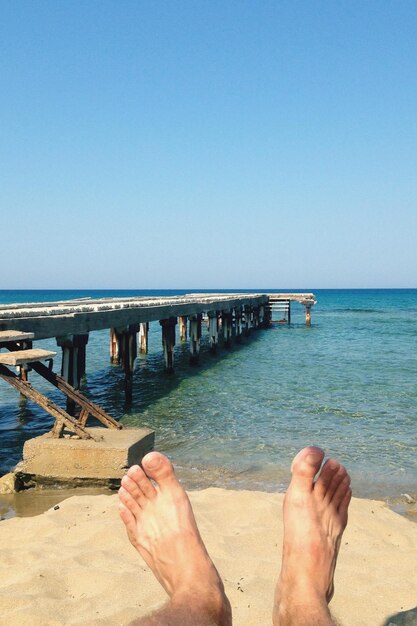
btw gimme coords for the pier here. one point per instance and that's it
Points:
(227, 317)
(280, 306)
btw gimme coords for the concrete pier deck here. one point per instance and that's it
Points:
(74, 317)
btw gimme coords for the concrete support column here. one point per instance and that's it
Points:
(128, 348)
(261, 315)
(143, 337)
(183, 327)
(247, 327)
(114, 347)
(227, 328)
(213, 330)
(289, 312)
(81, 342)
(308, 314)
(73, 362)
(123, 351)
(255, 317)
(267, 315)
(168, 342)
(238, 325)
(195, 338)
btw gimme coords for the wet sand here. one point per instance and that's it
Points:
(74, 566)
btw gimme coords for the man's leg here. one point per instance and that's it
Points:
(315, 516)
(161, 526)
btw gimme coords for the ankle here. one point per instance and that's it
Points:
(302, 609)
(205, 600)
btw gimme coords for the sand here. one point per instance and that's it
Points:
(74, 565)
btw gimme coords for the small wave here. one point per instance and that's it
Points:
(354, 310)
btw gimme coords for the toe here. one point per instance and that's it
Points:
(142, 482)
(133, 489)
(129, 502)
(341, 491)
(329, 469)
(158, 467)
(337, 479)
(128, 520)
(343, 507)
(305, 466)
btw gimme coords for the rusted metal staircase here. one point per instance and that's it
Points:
(279, 310)
(21, 354)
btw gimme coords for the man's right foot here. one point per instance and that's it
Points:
(315, 516)
(161, 526)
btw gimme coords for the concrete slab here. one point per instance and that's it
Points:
(7, 336)
(21, 357)
(72, 461)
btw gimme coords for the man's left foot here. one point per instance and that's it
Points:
(315, 516)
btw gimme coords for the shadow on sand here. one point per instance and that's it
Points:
(405, 618)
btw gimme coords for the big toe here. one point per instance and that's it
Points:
(305, 466)
(158, 467)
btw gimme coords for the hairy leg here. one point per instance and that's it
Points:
(161, 526)
(315, 516)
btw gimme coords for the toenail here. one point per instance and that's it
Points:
(311, 459)
(153, 461)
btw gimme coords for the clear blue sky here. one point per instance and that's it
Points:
(167, 144)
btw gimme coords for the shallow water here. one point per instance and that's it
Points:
(348, 384)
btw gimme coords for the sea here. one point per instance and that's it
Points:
(348, 384)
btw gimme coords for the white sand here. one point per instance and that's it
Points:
(75, 565)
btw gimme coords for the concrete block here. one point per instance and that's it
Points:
(7, 484)
(79, 461)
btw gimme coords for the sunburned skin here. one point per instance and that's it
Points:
(315, 516)
(161, 526)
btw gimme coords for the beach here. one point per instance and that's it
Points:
(73, 564)
(231, 427)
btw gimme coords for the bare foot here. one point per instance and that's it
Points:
(315, 516)
(160, 524)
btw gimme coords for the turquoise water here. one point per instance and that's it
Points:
(348, 384)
